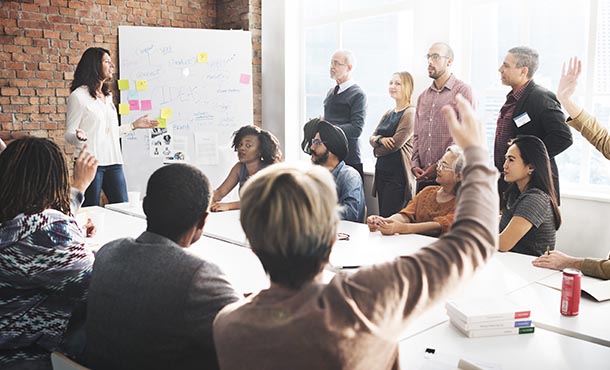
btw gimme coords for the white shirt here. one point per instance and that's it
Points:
(98, 118)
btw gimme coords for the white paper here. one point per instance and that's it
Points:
(597, 288)
(206, 148)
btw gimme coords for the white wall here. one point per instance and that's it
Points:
(585, 230)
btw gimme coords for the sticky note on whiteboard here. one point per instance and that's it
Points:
(134, 104)
(123, 84)
(166, 113)
(124, 109)
(162, 122)
(141, 85)
(244, 79)
(202, 57)
(145, 104)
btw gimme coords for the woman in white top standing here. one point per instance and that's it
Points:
(92, 117)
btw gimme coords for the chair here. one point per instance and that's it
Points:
(61, 362)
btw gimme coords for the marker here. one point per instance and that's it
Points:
(431, 353)
(548, 250)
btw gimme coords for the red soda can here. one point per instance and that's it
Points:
(570, 292)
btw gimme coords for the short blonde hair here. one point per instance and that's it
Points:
(289, 215)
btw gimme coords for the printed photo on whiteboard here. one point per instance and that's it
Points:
(178, 150)
(160, 142)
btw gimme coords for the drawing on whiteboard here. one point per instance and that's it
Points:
(200, 82)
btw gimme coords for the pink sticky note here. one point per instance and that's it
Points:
(134, 104)
(244, 79)
(145, 104)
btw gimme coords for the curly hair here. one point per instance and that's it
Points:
(89, 72)
(268, 144)
(35, 177)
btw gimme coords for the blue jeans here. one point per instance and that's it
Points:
(110, 179)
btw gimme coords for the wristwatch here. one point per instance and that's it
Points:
(133, 127)
(378, 141)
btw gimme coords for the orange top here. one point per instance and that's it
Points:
(425, 208)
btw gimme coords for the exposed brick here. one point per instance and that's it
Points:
(19, 100)
(9, 91)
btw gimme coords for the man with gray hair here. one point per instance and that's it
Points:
(345, 105)
(530, 109)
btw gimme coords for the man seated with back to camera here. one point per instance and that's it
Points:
(151, 303)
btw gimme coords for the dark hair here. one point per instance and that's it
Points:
(34, 177)
(268, 144)
(534, 153)
(89, 72)
(177, 197)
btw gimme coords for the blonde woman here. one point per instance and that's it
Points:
(392, 143)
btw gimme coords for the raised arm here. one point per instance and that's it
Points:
(579, 119)
(395, 291)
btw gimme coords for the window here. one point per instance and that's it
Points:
(575, 28)
(392, 35)
(378, 33)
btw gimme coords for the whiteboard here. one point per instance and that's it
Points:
(201, 81)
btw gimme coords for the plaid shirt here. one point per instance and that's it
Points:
(431, 135)
(505, 128)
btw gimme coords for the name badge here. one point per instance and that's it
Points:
(522, 119)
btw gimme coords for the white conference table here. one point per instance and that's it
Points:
(505, 274)
(541, 350)
(592, 323)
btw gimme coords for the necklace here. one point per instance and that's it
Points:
(401, 109)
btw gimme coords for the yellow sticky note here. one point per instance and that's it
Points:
(123, 84)
(166, 113)
(162, 122)
(141, 85)
(202, 57)
(124, 109)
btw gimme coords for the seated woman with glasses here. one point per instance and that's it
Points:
(530, 216)
(431, 211)
(256, 149)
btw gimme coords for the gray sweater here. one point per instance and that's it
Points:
(348, 111)
(151, 305)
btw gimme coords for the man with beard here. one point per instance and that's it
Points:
(345, 105)
(431, 136)
(327, 145)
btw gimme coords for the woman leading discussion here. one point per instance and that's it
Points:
(92, 117)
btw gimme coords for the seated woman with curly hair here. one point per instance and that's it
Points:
(44, 265)
(256, 149)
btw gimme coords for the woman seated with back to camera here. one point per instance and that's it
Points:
(256, 149)
(355, 321)
(44, 264)
(530, 215)
(431, 211)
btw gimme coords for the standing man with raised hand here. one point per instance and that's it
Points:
(529, 109)
(345, 105)
(432, 137)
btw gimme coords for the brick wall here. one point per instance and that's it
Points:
(246, 15)
(41, 43)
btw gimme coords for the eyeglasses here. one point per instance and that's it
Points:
(317, 142)
(435, 57)
(440, 165)
(336, 63)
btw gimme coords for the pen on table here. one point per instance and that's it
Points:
(548, 250)
(462, 364)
